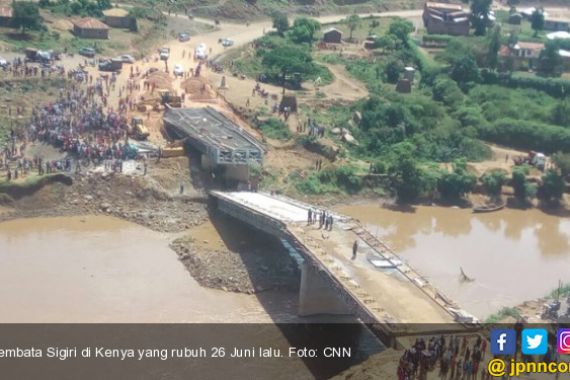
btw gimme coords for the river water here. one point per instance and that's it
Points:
(102, 269)
(99, 269)
(513, 255)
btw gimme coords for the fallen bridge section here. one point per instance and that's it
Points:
(377, 286)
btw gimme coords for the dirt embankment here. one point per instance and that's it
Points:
(146, 200)
(245, 263)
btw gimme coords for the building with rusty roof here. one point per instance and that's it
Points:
(445, 18)
(90, 28)
(6, 13)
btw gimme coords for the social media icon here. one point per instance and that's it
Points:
(503, 341)
(534, 341)
(563, 341)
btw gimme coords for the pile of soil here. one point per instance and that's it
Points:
(249, 271)
(161, 80)
(198, 89)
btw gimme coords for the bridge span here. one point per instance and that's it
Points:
(378, 287)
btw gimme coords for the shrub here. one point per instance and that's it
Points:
(275, 129)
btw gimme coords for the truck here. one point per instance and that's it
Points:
(164, 53)
(34, 55)
(111, 65)
(166, 97)
(536, 159)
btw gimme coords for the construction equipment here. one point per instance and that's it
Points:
(533, 158)
(166, 97)
(173, 151)
(138, 130)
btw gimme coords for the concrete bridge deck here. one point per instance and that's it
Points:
(377, 286)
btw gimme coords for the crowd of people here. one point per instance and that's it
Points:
(324, 218)
(453, 357)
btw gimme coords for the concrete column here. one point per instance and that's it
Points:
(317, 295)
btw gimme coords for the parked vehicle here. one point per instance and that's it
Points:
(178, 70)
(111, 65)
(226, 42)
(87, 52)
(183, 37)
(164, 53)
(126, 58)
(201, 51)
(42, 56)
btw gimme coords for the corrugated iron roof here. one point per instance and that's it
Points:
(89, 23)
(6, 12)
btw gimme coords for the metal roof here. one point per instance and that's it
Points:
(89, 23)
(214, 134)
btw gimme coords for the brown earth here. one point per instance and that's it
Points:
(227, 255)
(152, 200)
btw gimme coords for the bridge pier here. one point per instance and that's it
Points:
(316, 296)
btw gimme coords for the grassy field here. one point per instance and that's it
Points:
(524, 31)
(364, 29)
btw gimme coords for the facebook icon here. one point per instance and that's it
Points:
(503, 341)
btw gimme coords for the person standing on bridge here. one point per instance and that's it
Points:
(354, 249)
(330, 222)
(310, 216)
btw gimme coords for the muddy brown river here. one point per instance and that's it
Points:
(102, 269)
(513, 255)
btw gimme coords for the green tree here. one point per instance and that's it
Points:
(552, 187)
(387, 42)
(549, 61)
(280, 22)
(561, 113)
(353, 22)
(524, 190)
(493, 181)
(392, 70)
(562, 162)
(26, 15)
(537, 21)
(373, 25)
(406, 177)
(288, 59)
(454, 185)
(401, 29)
(480, 16)
(303, 30)
(494, 46)
(465, 70)
(446, 90)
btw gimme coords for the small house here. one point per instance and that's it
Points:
(5, 15)
(445, 18)
(523, 55)
(556, 25)
(117, 18)
(90, 28)
(332, 36)
(404, 86)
